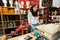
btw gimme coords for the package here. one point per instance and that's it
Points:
(5, 10)
(11, 11)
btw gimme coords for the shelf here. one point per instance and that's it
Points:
(23, 14)
(6, 18)
(10, 14)
(25, 19)
(8, 7)
(21, 8)
(29, 8)
(11, 27)
(11, 20)
(25, 8)
(15, 7)
(11, 7)
(1, 28)
(55, 16)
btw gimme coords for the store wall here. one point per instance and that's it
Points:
(56, 3)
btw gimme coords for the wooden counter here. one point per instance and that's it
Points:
(30, 34)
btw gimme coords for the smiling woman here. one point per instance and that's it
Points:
(33, 16)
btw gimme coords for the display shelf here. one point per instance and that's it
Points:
(25, 19)
(25, 8)
(20, 8)
(11, 20)
(51, 14)
(11, 7)
(10, 14)
(12, 27)
(28, 8)
(24, 14)
(1, 28)
(9, 27)
(55, 16)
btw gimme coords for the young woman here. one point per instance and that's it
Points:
(33, 18)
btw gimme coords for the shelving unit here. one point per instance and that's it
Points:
(11, 20)
(46, 15)
(50, 14)
(56, 16)
(8, 21)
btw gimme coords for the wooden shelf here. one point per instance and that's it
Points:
(22, 8)
(8, 7)
(23, 14)
(25, 8)
(28, 8)
(55, 16)
(11, 21)
(11, 27)
(7, 16)
(11, 7)
(25, 19)
(10, 14)
(1, 28)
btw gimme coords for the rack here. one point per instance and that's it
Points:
(8, 21)
(50, 14)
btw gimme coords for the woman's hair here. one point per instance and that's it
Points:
(35, 14)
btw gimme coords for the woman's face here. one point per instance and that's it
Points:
(35, 8)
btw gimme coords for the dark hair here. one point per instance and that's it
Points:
(35, 14)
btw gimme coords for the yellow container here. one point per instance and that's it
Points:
(11, 11)
(4, 10)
